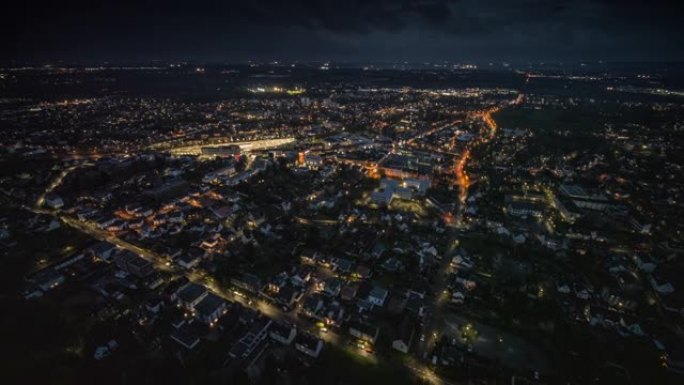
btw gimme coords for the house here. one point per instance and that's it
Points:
(117, 225)
(132, 263)
(176, 217)
(450, 355)
(104, 222)
(348, 293)
(171, 252)
(342, 265)
(660, 282)
(101, 352)
(382, 197)
(332, 287)
(211, 241)
(312, 305)
(415, 303)
(378, 250)
(378, 295)
(396, 305)
(282, 333)
(309, 256)
(154, 305)
(220, 174)
(363, 330)
(191, 259)
(223, 212)
(48, 279)
(466, 280)
(462, 262)
(190, 295)
(333, 313)
(154, 280)
(54, 201)
(252, 340)
(188, 261)
(146, 212)
(276, 283)
(137, 224)
(392, 265)
(362, 305)
(31, 292)
(309, 345)
(178, 320)
(211, 308)
(102, 250)
(301, 276)
(104, 351)
(457, 298)
(287, 296)
(133, 208)
(171, 290)
(617, 298)
(407, 330)
(362, 272)
(53, 225)
(185, 336)
(247, 282)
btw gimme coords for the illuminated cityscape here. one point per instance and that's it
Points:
(336, 193)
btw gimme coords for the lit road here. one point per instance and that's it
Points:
(162, 264)
(462, 178)
(56, 182)
(424, 372)
(201, 277)
(103, 235)
(490, 129)
(432, 131)
(433, 322)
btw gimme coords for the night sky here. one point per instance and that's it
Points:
(351, 30)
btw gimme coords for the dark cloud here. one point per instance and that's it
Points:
(128, 30)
